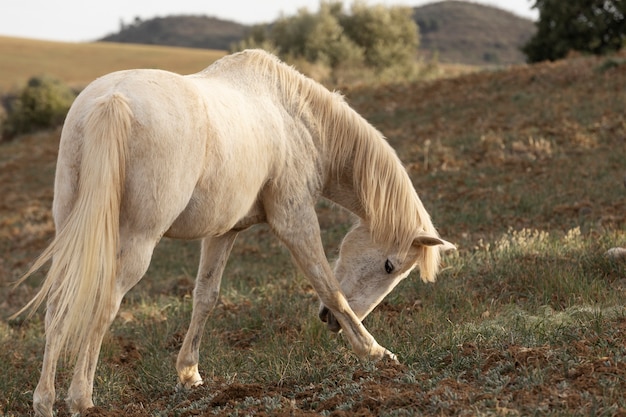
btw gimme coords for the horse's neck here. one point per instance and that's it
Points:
(339, 185)
(340, 190)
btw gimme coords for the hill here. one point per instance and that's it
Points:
(188, 31)
(474, 34)
(455, 31)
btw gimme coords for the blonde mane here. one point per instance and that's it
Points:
(392, 208)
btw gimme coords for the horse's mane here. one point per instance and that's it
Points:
(392, 208)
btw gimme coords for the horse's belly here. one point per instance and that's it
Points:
(205, 216)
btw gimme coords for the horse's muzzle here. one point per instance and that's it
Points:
(327, 317)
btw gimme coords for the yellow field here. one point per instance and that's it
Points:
(79, 63)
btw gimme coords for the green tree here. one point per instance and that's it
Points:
(591, 26)
(378, 37)
(388, 35)
(327, 41)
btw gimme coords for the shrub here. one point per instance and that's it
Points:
(41, 104)
(388, 35)
(376, 42)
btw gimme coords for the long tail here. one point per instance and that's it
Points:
(81, 279)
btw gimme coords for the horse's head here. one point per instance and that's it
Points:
(367, 272)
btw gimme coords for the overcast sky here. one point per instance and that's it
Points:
(84, 20)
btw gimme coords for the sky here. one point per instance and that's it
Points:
(81, 20)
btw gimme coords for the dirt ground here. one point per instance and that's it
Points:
(388, 387)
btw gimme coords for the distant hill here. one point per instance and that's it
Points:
(470, 33)
(188, 31)
(454, 31)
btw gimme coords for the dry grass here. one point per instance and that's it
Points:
(77, 64)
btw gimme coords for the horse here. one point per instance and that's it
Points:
(148, 153)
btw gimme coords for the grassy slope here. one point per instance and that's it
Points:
(522, 168)
(79, 63)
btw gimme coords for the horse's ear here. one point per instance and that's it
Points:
(425, 239)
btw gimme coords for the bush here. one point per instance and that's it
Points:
(377, 41)
(388, 36)
(42, 104)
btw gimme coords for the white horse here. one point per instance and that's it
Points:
(148, 153)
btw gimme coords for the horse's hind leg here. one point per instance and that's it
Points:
(133, 262)
(44, 395)
(213, 259)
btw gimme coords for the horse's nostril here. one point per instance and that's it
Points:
(333, 324)
(323, 315)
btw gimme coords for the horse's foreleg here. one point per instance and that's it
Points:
(300, 232)
(133, 262)
(215, 252)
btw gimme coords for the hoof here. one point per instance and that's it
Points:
(189, 385)
(377, 353)
(189, 377)
(196, 383)
(78, 406)
(42, 410)
(42, 402)
(390, 356)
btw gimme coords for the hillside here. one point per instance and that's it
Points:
(454, 31)
(474, 34)
(188, 31)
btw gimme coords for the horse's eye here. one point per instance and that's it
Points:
(388, 266)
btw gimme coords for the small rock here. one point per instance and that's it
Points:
(616, 253)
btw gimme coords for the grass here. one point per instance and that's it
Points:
(522, 168)
(77, 64)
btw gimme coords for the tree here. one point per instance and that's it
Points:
(316, 37)
(379, 38)
(388, 35)
(591, 26)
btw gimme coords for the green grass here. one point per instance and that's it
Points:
(524, 172)
(528, 316)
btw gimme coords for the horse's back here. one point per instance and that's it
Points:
(166, 147)
(199, 152)
(247, 147)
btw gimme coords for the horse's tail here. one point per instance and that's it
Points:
(81, 279)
